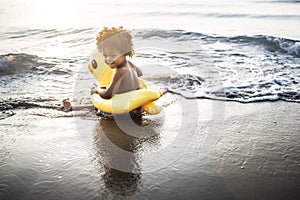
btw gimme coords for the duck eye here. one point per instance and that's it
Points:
(94, 64)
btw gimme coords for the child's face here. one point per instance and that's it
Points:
(113, 57)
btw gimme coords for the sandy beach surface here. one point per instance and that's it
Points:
(194, 149)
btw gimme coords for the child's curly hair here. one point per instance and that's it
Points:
(117, 38)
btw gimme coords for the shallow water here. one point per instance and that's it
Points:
(240, 68)
(236, 51)
(259, 62)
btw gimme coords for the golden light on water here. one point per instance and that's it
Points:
(205, 16)
(55, 12)
(49, 13)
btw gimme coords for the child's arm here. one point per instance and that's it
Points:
(108, 92)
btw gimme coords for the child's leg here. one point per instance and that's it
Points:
(68, 107)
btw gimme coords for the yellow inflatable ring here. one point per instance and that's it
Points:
(125, 102)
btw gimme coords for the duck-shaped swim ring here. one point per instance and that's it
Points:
(125, 102)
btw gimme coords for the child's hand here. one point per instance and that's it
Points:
(95, 89)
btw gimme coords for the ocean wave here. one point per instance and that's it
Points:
(17, 63)
(24, 63)
(247, 68)
(270, 43)
(195, 87)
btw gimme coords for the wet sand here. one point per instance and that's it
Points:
(221, 150)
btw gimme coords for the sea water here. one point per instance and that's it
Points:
(252, 46)
(243, 51)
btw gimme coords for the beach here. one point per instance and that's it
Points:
(229, 126)
(251, 151)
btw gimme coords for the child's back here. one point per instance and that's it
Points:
(129, 81)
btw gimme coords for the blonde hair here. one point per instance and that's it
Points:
(116, 38)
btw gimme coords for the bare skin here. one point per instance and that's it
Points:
(66, 104)
(117, 61)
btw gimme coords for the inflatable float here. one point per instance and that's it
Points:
(145, 97)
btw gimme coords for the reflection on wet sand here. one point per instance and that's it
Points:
(117, 152)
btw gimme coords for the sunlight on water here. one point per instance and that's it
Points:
(226, 17)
